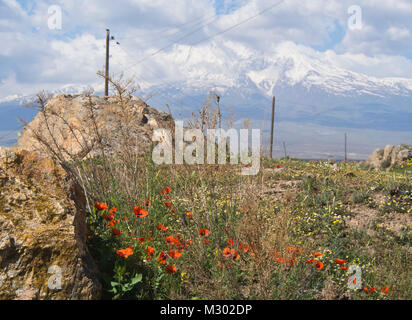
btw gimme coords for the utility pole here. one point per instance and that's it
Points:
(218, 111)
(271, 130)
(106, 75)
(284, 149)
(346, 147)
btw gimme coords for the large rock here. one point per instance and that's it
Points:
(74, 127)
(43, 253)
(390, 156)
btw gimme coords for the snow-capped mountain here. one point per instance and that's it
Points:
(231, 65)
(307, 87)
(310, 88)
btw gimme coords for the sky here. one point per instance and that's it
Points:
(34, 55)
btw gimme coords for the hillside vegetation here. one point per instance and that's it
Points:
(296, 230)
(209, 233)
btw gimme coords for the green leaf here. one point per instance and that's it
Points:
(157, 174)
(137, 278)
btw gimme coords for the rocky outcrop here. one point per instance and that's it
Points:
(390, 156)
(43, 253)
(74, 127)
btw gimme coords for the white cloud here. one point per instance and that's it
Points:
(378, 66)
(35, 54)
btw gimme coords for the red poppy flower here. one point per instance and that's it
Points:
(112, 223)
(340, 261)
(230, 242)
(150, 250)
(124, 253)
(171, 269)
(385, 289)
(116, 232)
(162, 257)
(206, 241)
(236, 256)
(227, 252)
(107, 217)
(369, 291)
(188, 243)
(100, 206)
(161, 227)
(168, 204)
(113, 211)
(168, 190)
(317, 254)
(172, 240)
(243, 247)
(204, 232)
(344, 268)
(310, 260)
(318, 265)
(139, 212)
(278, 166)
(174, 254)
(189, 214)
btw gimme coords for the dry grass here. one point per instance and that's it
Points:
(281, 217)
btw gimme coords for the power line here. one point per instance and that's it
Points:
(223, 31)
(155, 74)
(242, 22)
(161, 81)
(208, 38)
(172, 43)
(198, 21)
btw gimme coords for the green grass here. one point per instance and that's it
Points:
(280, 232)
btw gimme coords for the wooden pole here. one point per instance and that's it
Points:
(271, 130)
(218, 110)
(106, 76)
